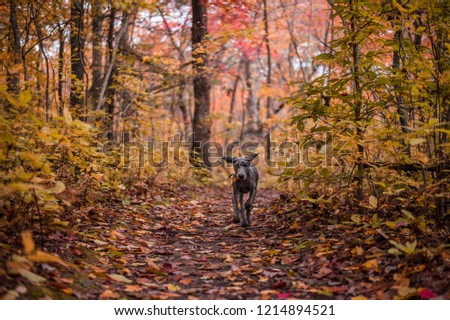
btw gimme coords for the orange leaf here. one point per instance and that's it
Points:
(27, 241)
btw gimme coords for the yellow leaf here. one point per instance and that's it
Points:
(391, 224)
(359, 298)
(58, 222)
(373, 201)
(25, 97)
(27, 241)
(173, 287)
(41, 256)
(371, 265)
(356, 218)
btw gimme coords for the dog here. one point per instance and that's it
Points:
(245, 180)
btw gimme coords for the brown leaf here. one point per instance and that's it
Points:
(324, 271)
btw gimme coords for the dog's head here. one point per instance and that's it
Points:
(241, 165)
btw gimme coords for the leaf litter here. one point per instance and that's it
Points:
(179, 243)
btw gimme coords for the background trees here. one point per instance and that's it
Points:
(372, 75)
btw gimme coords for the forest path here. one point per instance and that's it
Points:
(178, 242)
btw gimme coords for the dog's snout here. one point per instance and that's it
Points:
(240, 175)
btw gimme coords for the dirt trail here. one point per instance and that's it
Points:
(174, 242)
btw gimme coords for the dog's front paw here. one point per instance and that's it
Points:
(245, 224)
(236, 220)
(248, 207)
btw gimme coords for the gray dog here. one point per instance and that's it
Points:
(245, 180)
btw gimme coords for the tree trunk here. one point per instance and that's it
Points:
(110, 91)
(402, 112)
(232, 102)
(358, 107)
(61, 71)
(269, 60)
(202, 87)
(97, 37)
(252, 103)
(76, 58)
(13, 78)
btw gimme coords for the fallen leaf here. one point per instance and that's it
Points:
(279, 285)
(359, 298)
(427, 294)
(10, 295)
(324, 271)
(119, 278)
(283, 295)
(228, 258)
(373, 201)
(33, 277)
(168, 267)
(406, 292)
(357, 251)
(186, 281)
(371, 265)
(108, 294)
(154, 268)
(173, 287)
(133, 288)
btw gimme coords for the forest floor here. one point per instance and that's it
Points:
(176, 242)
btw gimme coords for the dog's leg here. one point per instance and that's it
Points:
(235, 207)
(249, 204)
(244, 222)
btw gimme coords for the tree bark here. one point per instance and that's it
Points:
(269, 60)
(402, 112)
(358, 107)
(252, 103)
(76, 58)
(61, 71)
(13, 78)
(202, 87)
(97, 37)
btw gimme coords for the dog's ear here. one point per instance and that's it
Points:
(229, 159)
(251, 157)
